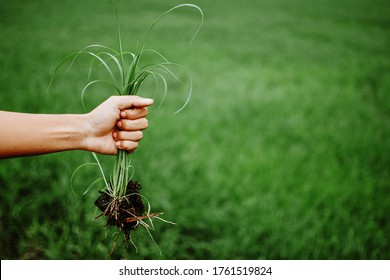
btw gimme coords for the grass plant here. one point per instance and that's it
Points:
(126, 73)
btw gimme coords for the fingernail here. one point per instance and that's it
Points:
(123, 114)
(115, 135)
(119, 124)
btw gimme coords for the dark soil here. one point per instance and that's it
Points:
(122, 212)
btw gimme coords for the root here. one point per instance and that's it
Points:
(127, 213)
(132, 243)
(113, 246)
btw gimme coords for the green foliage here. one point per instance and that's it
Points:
(282, 152)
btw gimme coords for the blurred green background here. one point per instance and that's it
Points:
(282, 153)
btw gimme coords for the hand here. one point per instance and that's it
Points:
(116, 124)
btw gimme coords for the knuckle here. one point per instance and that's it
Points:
(121, 135)
(112, 99)
(125, 124)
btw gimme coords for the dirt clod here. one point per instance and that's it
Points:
(122, 212)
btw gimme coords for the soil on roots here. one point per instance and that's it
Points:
(123, 212)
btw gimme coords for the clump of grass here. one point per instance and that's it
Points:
(120, 200)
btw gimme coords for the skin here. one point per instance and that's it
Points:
(115, 124)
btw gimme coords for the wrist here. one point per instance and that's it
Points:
(70, 132)
(81, 130)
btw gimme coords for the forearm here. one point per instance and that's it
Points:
(31, 134)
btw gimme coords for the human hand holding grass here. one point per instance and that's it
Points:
(115, 124)
(114, 127)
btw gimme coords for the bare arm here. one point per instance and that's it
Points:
(115, 124)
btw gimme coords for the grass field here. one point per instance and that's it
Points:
(282, 153)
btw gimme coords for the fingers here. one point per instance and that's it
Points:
(129, 146)
(133, 125)
(127, 135)
(127, 140)
(132, 122)
(134, 113)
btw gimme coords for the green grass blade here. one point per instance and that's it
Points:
(100, 168)
(119, 39)
(162, 65)
(103, 63)
(59, 65)
(118, 63)
(110, 57)
(132, 73)
(94, 82)
(156, 52)
(101, 47)
(169, 11)
(91, 185)
(189, 94)
(75, 172)
(165, 92)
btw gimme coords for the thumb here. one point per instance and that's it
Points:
(128, 101)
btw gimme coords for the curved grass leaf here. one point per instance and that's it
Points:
(94, 82)
(100, 168)
(169, 11)
(76, 171)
